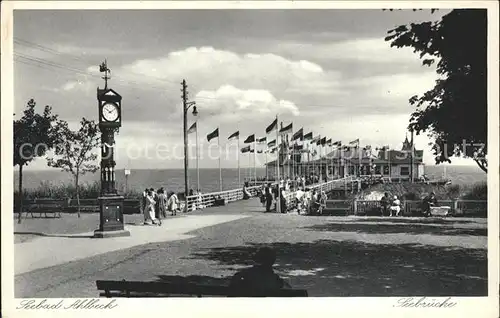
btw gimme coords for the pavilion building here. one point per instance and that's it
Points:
(351, 161)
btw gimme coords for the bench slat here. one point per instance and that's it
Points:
(136, 288)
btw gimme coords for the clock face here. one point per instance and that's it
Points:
(110, 112)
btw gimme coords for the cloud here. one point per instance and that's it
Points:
(81, 85)
(207, 68)
(374, 50)
(228, 100)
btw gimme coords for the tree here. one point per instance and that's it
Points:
(34, 135)
(74, 153)
(454, 112)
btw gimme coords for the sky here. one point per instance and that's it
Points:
(329, 71)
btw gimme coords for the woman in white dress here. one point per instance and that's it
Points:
(395, 206)
(173, 203)
(150, 207)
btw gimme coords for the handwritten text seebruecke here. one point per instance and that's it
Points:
(31, 304)
(424, 302)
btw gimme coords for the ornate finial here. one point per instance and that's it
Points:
(103, 68)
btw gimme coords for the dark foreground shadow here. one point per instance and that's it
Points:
(356, 269)
(54, 235)
(395, 228)
(429, 220)
(195, 279)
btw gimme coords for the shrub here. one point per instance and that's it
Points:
(64, 191)
(478, 191)
(411, 196)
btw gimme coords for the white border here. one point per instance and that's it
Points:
(468, 306)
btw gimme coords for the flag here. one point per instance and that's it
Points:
(308, 136)
(271, 143)
(245, 149)
(261, 140)
(354, 142)
(234, 135)
(213, 134)
(298, 135)
(272, 127)
(329, 142)
(192, 128)
(322, 142)
(250, 139)
(337, 143)
(286, 130)
(315, 139)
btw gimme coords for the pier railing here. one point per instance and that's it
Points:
(323, 186)
(205, 200)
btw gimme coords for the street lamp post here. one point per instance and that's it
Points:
(186, 106)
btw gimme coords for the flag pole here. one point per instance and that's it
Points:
(239, 176)
(197, 159)
(220, 168)
(291, 173)
(308, 168)
(254, 160)
(278, 200)
(266, 165)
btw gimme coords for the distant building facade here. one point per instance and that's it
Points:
(354, 161)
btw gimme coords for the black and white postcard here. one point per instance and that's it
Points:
(273, 157)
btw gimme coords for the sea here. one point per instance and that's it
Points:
(173, 179)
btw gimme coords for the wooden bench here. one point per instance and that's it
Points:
(51, 206)
(337, 208)
(138, 289)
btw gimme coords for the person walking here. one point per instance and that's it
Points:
(322, 202)
(150, 206)
(144, 210)
(269, 197)
(162, 205)
(173, 203)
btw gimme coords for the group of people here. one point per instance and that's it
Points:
(310, 202)
(392, 206)
(155, 205)
(306, 201)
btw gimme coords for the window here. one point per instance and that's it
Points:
(377, 169)
(386, 169)
(405, 171)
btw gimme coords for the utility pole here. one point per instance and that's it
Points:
(185, 106)
(412, 172)
(186, 161)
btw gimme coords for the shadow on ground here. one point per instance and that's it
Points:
(54, 235)
(352, 268)
(195, 279)
(393, 228)
(429, 220)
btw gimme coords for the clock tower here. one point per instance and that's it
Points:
(110, 202)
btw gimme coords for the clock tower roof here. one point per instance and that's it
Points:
(108, 95)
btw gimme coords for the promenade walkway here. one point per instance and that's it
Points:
(49, 248)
